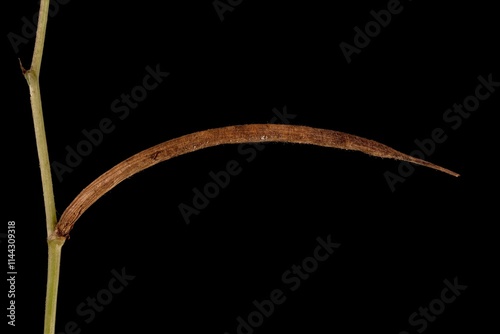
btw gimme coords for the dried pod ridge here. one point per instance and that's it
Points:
(250, 133)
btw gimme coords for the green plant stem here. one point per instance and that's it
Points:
(53, 269)
(43, 16)
(54, 245)
(32, 77)
(43, 152)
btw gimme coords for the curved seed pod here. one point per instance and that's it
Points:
(251, 133)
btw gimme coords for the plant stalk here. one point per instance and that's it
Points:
(54, 245)
(53, 269)
(43, 152)
(43, 16)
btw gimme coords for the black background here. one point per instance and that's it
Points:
(397, 247)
